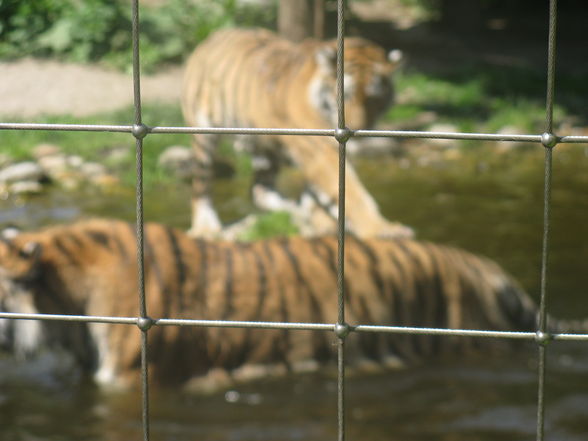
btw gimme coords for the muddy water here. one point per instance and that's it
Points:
(491, 206)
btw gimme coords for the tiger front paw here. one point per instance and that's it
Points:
(398, 231)
(389, 230)
(205, 220)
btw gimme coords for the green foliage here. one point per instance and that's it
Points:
(170, 32)
(484, 99)
(22, 19)
(100, 30)
(428, 90)
(81, 30)
(270, 224)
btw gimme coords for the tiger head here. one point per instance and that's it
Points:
(33, 264)
(368, 89)
(19, 260)
(17, 266)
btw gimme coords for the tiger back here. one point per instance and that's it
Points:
(89, 268)
(255, 79)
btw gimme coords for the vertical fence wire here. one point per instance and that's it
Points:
(340, 136)
(548, 140)
(139, 131)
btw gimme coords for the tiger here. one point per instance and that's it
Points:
(90, 268)
(252, 78)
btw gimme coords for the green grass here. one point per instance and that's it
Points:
(483, 98)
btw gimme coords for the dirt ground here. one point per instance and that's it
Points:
(31, 87)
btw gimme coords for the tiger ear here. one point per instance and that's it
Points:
(31, 250)
(326, 58)
(10, 232)
(395, 56)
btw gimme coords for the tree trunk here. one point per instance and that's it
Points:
(300, 19)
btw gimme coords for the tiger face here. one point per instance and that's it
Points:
(367, 83)
(18, 261)
(18, 265)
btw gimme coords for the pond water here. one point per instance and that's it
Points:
(488, 204)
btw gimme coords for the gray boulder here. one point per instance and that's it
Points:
(179, 161)
(22, 171)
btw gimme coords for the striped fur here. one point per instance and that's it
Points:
(89, 268)
(253, 78)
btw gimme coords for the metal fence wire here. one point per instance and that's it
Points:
(342, 134)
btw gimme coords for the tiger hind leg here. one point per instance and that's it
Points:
(205, 220)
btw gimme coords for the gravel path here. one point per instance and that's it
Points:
(30, 87)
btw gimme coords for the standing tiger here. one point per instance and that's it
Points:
(89, 268)
(253, 78)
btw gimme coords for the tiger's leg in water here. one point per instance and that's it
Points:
(318, 159)
(205, 221)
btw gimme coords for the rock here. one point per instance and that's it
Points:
(22, 171)
(53, 165)
(440, 127)
(373, 146)
(116, 155)
(105, 181)
(503, 146)
(75, 161)
(45, 149)
(175, 154)
(69, 181)
(92, 170)
(25, 187)
(178, 160)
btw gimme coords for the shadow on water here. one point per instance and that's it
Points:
(488, 204)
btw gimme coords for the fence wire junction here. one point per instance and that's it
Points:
(342, 134)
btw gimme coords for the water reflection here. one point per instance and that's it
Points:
(474, 399)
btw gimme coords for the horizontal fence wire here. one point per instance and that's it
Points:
(527, 138)
(341, 329)
(300, 326)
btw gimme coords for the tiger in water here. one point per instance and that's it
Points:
(253, 78)
(89, 268)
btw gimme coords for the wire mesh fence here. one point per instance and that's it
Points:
(341, 134)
